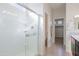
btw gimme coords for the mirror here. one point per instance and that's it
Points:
(76, 20)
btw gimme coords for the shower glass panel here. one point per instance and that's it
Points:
(18, 31)
(12, 38)
(31, 34)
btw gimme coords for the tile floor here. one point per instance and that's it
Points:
(56, 49)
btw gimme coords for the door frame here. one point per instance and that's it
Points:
(64, 30)
(46, 30)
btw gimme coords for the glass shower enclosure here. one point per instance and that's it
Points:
(19, 31)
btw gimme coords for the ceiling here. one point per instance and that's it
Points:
(56, 5)
(36, 7)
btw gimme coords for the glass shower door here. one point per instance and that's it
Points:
(18, 31)
(31, 34)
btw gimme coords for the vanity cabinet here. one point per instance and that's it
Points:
(74, 47)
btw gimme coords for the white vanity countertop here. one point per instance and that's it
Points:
(76, 37)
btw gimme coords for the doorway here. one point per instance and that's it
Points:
(59, 31)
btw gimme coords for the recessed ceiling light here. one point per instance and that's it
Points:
(76, 16)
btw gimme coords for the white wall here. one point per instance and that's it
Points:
(59, 12)
(48, 11)
(72, 9)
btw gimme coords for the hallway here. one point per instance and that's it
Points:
(56, 49)
(55, 28)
